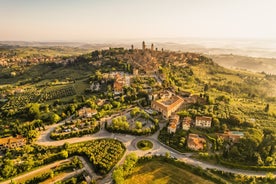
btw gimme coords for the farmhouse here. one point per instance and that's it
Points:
(233, 136)
(174, 121)
(186, 123)
(167, 105)
(86, 112)
(195, 142)
(11, 142)
(203, 121)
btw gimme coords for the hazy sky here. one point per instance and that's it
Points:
(88, 20)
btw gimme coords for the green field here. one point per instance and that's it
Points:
(160, 172)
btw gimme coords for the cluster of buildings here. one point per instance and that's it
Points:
(11, 142)
(6, 61)
(200, 121)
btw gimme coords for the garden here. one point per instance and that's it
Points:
(136, 122)
(76, 128)
(144, 145)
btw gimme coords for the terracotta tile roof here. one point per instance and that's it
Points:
(203, 118)
(195, 142)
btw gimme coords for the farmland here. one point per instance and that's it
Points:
(161, 172)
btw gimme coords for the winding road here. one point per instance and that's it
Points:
(158, 149)
(130, 142)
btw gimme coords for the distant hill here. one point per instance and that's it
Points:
(247, 63)
(230, 54)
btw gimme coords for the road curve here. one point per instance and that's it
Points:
(130, 143)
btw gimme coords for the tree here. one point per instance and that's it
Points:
(216, 123)
(266, 108)
(28, 164)
(13, 182)
(224, 127)
(98, 75)
(76, 162)
(107, 107)
(31, 135)
(66, 145)
(74, 180)
(258, 159)
(8, 170)
(235, 120)
(54, 118)
(130, 161)
(52, 174)
(118, 175)
(64, 154)
(138, 124)
(206, 87)
(33, 111)
(269, 160)
(28, 149)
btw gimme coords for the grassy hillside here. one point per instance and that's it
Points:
(227, 92)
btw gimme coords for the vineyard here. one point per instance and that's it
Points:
(56, 94)
(103, 153)
(19, 101)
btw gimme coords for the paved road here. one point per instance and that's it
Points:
(130, 143)
(158, 148)
(45, 135)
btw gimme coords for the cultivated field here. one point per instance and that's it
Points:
(159, 172)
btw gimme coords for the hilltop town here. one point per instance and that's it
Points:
(95, 110)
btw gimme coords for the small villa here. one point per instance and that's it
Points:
(186, 123)
(174, 121)
(195, 142)
(233, 136)
(203, 121)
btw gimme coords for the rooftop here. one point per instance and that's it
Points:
(174, 100)
(203, 118)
